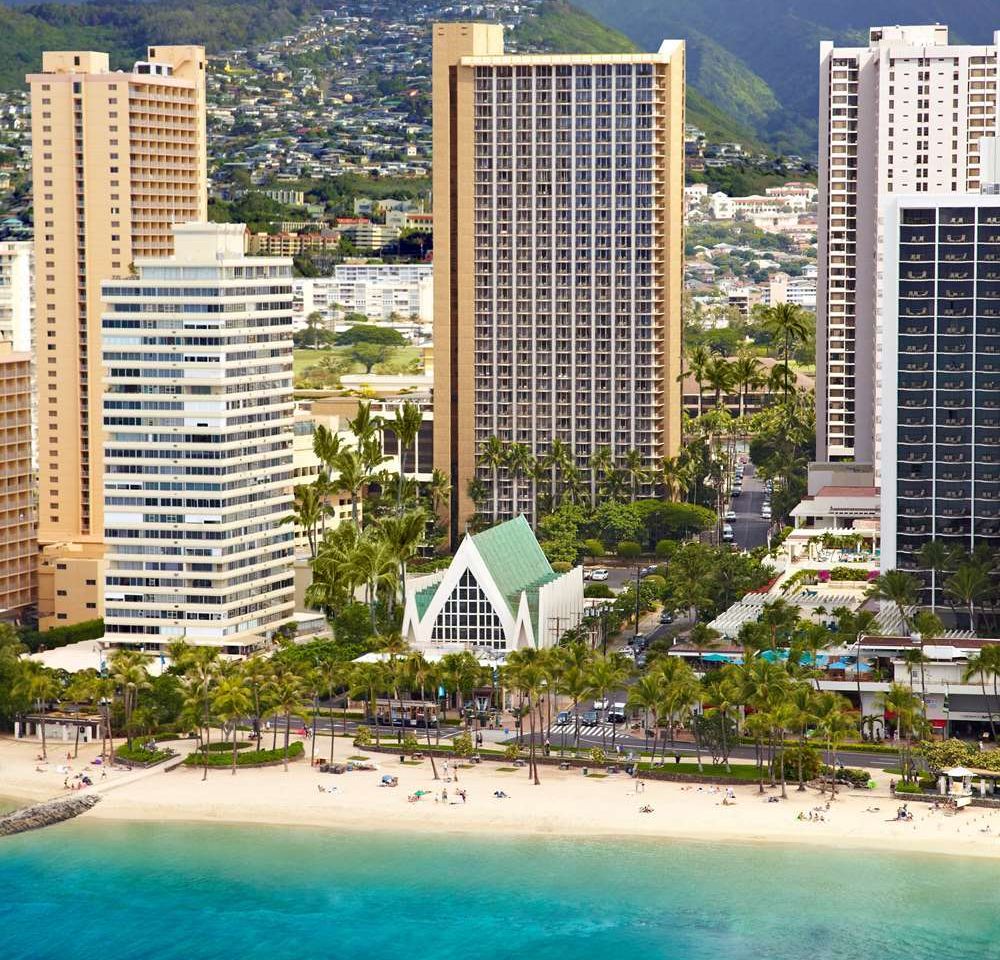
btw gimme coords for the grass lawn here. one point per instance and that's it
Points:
(739, 771)
(303, 359)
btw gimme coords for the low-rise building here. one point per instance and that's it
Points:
(499, 593)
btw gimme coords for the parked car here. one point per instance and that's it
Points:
(737, 490)
(666, 616)
(647, 571)
(765, 512)
(727, 533)
(564, 716)
(589, 716)
(588, 574)
(730, 514)
(600, 574)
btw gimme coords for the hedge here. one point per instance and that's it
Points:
(62, 636)
(137, 754)
(248, 758)
(220, 746)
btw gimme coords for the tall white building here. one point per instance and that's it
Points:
(905, 114)
(198, 451)
(17, 300)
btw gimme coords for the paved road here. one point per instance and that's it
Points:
(749, 530)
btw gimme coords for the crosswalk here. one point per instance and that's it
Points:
(586, 729)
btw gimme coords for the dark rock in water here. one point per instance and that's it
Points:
(45, 814)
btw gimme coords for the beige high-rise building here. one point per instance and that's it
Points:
(118, 157)
(18, 548)
(558, 202)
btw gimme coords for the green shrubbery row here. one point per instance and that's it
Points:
(137, 754)
(34, 640)
(248, 758)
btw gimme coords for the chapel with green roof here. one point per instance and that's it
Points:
(500, 593)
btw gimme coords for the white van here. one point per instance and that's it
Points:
(727, 533)
(616, 713)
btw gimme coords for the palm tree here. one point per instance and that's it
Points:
(559, 461)
(309, 510)
(257, 674)
(287, 696)
(519, 463)
(439, 490)
(719, 376)
(674, 475)
(602, 465)
(128, 670)
(38, 685)
(575, 684)
(406, 425)
(352, 477)
(903, 703)
(899, 588)
(404, 535)
(231, 703)
(607, 673)
(199, 679)
(720, 694)
(933, 556)
(425, 675)
(697, 360)
(702, 637)
(366, 680)
(985, 662)
(634, 467)
(787, 323)
(969, 584)
(364, 426)
(493, 454)
(833, 721)
(647, 695)
(746, 374)
(800, 714)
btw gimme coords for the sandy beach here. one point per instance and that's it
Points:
(565, 804)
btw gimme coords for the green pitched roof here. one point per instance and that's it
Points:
(423, 598)
(516, 563)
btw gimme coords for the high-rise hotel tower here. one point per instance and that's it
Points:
(198, 449)
(906, 114)
(117, 158)
(558, 184)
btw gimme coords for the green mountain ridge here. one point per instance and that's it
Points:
(758, 61)
(560, 27)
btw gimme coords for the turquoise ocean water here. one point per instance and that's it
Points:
(111, 891)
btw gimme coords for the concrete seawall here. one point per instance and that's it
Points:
(45, 814)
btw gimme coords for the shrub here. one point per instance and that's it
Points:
(597, 756)
(463, 745)
(600, 591)
(362, 737)
(138, 754)
(562, 566)
(511, 752)
(62, 636)
(247, 758)
(221, 746)
(854, 776)
(592, 548)
(656, 581)
(848, 573)
(410, 744)
(907, 787)
(810, 762)
(665, 549)
(629, 549)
